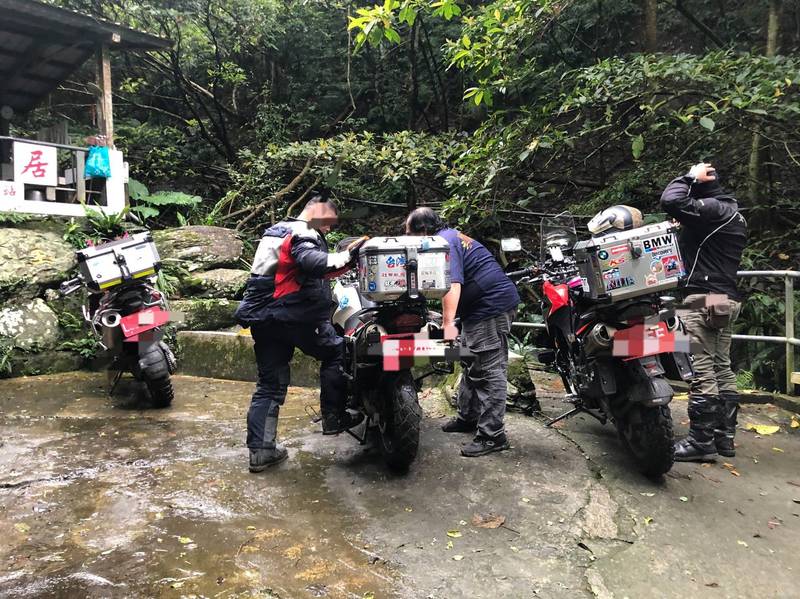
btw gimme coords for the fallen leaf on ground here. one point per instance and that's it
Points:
(458, 558)
(772, 524)
(647, 494)
(449, 544)
(777, 449)
(735, 473)
(409, 509)
(22, 527)
(251, 528)
(795, 423)
(488, 521)
(454, 533)
(763, 429)
(176, 585)
(713, 585)
(369, 595)
(647, 521)
(683, 499)
(185, 540)
(526, 500)
(743, 544)
(681, 396)
(728, 465)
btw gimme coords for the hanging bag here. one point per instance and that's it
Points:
(98, 164)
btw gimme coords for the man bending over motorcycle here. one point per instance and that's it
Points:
(287, 304)
(485, 300)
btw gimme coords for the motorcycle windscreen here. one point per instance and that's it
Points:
(557, 232)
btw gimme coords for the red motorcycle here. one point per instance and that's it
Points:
(126, 312)
(614, 357)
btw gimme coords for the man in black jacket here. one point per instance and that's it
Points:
(287, 304)
(712, 238)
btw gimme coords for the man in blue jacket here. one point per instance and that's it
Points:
(485, 300)
(712, 238)
(287, 304)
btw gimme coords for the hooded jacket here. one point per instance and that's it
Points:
(287, 282)
(713, 234)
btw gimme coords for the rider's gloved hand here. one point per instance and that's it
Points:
(339, 259)
(702, 172)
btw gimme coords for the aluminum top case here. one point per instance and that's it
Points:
(382, 272)
(118, 262)
(626, 264)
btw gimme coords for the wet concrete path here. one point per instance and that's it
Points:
(101, 499)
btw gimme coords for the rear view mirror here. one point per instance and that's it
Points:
(511, 244)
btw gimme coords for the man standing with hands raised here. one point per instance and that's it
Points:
(712, 238)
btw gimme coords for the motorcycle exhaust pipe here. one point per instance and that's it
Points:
(599, 338)
(110, 319)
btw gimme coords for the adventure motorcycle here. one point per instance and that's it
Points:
(126, 312)
(384, 339)
(613, 357)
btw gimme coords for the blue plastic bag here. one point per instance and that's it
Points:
(98, 164)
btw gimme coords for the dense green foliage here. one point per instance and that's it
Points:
(494, 111)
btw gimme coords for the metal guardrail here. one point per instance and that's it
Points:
(789, 340)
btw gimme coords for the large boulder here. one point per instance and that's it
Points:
(203, 314)
(199, 247)
(31, 261)
(46, 362)
(29, 326)
(217, 283)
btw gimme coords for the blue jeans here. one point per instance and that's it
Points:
(275, 343)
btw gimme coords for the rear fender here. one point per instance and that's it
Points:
(648, 385)
(677, 366)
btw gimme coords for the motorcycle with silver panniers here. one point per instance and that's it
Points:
(613, 334)
(126, 312)
(382, 313)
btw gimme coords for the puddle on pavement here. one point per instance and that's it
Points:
(99, 499)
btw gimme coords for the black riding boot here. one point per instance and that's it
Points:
(726, 424)
(270, 452)
(698, 445)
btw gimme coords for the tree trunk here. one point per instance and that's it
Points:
(756, 151)
(413, 78)
(651, 26)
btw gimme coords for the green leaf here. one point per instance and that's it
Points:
(637, 146)
(146, 211)
(137, 190)
(391, 35)
(707, 123)
(172, 198)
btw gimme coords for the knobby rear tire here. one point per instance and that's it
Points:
(400, 422)
(647, 433)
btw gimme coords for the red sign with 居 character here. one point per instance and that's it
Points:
(35, 164)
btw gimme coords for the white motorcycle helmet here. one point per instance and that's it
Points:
(620, 217)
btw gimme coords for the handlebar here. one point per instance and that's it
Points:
(70, 286)
(516, 274)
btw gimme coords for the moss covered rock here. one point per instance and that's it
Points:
(204, 314)
(46, 362)
(30, 325)
(199, 247)
(217, 283)
(31, 261)
(226, 355)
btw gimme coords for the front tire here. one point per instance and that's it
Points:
(647, 433)
(398, 431)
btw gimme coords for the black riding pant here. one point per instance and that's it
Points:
(275, 343)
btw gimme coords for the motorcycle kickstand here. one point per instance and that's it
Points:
(361, 440)
(572, 412)
(117, 378)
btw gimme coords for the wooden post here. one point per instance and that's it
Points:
(105, 107)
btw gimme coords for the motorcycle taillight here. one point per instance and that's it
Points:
(407, 323)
